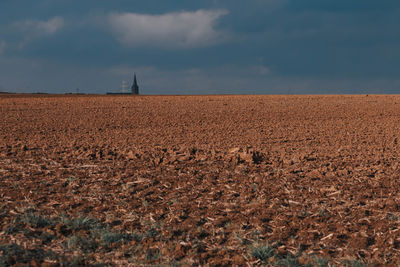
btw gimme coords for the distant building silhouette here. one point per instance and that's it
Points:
(135, 86)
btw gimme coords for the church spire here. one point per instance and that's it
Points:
(135, 87)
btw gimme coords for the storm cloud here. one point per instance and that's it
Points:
(218, 46)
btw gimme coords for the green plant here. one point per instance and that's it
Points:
(35, 220)
(354, 263)
(262, 252)
(12, 229)
(13, 254)
(71, 179)
(80, 223)
(152, 232)
(321, 262)
(255, 235)
(136, 237)
(79, 242)
(289, 261)
(109, 238)
(153, 254)
(243, 240)
(322, 212)
(46, 237)
(392, 217)
(75, 261)
(10, 251)
(254, 187)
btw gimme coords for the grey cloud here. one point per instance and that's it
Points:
(172, 30)
(34, 29)
(2, 47)
(38, 27)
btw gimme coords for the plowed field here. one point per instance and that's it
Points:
(199, 180)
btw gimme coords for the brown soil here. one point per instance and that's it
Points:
(204, 179)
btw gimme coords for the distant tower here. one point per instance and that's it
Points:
(123, 87)
(135, 87)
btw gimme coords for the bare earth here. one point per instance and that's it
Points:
(199, 180)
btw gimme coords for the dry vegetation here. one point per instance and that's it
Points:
(199, 180)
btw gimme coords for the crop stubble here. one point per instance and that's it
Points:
(205, 178)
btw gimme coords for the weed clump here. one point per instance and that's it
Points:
(321, 262)
(153, 254)
(80, 223)
(76, 242)
(35, 220)
(268, 255)
(13, 254)
(290, 261)
(82, 235)
(262, 252)
(354, 263)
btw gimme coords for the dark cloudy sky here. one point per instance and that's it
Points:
(195, 47)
